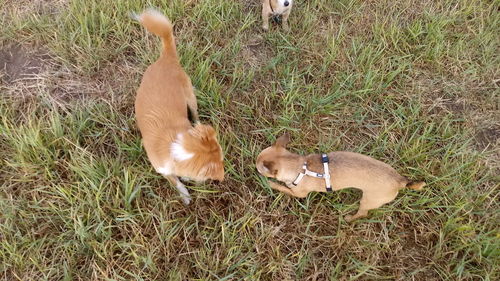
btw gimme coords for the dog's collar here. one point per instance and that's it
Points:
(325, 175)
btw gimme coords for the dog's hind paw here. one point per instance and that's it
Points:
(183, 192)
(186, 199)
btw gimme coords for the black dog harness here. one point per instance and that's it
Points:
(325, 175)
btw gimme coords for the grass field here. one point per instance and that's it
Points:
(412, 83)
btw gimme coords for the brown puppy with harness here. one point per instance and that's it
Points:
(379, 182)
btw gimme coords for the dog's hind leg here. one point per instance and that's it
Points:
(370, 202)
(186, 198)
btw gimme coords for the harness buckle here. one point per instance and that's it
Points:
(324, 158)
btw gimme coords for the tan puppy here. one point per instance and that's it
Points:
(174, 147)
(276, 8)
(379, 182)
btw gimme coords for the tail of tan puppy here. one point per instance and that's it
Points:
(158, 24)
(416, 185)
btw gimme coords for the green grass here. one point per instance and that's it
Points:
(414, 84)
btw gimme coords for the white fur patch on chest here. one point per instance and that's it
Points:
(178, 152)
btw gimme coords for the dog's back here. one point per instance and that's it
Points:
(161, 106)
(160, 98)
(365, 169)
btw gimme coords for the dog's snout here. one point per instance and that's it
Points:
(286, 3)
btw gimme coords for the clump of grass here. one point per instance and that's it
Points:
(411, 84)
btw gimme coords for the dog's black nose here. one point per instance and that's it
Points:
(286, 3)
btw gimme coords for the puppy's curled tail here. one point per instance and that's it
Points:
(416, 185)
(158, 24)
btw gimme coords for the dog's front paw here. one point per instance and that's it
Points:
(286, 27)
(265, 27)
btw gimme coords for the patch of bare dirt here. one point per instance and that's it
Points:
(251, 6)
(28, 71)
(255, 53)
(488, 137)
(66, 84)
(20, 8)
(473, 101)
(17, 62)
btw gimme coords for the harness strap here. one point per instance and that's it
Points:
(325, 160)
(301, 175)
(325, 176)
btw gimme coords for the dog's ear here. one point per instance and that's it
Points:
(270, 166)
(283, 140)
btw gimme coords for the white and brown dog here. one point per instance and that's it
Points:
(174, 146)
(379, 182)
(276, 8)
